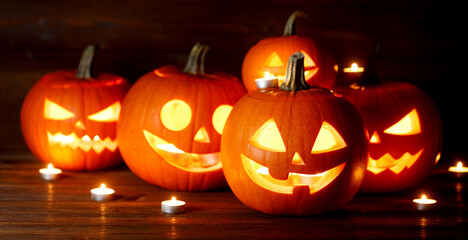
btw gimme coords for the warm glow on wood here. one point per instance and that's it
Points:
(220, 116)
(54, 111)
(328, 139)
(109, 114)
(176, 115)
(268, 138)
(408, 125)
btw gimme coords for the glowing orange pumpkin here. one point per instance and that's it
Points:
(171, 125)
(296, 150)
(270, 55)
(69, 118)
(404, 127)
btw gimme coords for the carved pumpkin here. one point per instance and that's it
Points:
(404, 126)
(69, 118)
(171, 125)
(297, 150)
(270, 56)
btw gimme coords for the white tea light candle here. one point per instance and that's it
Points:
(173, 206)
(459, 170)
(424, 203)
(50, 173)
(269, 81)
(102, 193)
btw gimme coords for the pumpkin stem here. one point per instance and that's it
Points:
(196, 60)
(369, 76)
(290, 28)
(84, 69)
(294, 79)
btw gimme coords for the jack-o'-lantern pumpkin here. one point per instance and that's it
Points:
(171, 125)
(404, 127)
(69, 118)
(270, 56)
(296, 150)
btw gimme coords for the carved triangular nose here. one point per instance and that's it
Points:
(297, 160)
(375, 138)
(202, 136)
(80, 125)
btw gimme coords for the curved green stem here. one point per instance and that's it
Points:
(290, 28)
(196, 61)
(84, 69)
(294, 78)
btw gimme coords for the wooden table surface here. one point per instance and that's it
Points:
(33, 208)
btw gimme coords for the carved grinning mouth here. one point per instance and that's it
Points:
(315, 182)
(85, 143)
(192, 162)
(385, 162)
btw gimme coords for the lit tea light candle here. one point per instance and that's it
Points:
(424, 203)
(50, 173)
(173, 206)
(102, 193)
(459, 170)
(353, 69)
(269, 81)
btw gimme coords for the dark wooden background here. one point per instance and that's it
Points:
(423, 43)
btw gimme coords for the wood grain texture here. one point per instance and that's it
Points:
(31, 208)
(423, 42)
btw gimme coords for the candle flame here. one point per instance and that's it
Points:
(173, 198)
(354, 68)
(103, 185)
(96, 138)
(459, 165)
(269, 75)
(50, 166)
(423, 196)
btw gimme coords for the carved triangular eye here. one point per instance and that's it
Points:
(268, 137)
(308, 62)
(109, 114)
(274, 60)
(408, 125)
(54, 111)
(328, 139)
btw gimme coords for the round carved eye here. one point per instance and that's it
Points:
(176, 115)
(220, 116)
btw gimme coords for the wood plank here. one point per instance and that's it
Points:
(33, 208)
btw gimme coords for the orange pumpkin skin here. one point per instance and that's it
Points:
(258, 59)
(82, 98)
(298, 116)
(412, 154)
(141, 120)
